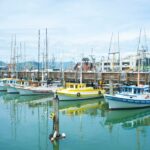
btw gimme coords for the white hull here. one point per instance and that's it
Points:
(12, 90)
(126, 103)
(3, 88)
(35, 91)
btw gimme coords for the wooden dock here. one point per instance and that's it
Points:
(88, 77)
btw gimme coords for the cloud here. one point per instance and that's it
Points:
(73, 25)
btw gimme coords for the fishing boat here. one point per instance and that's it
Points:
(129, 97)
(78, 91)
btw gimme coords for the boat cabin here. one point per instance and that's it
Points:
(134, 90)
(75, 85)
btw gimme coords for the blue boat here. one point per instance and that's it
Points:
(129, 97)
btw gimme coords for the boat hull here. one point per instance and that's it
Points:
(3, 88)
(74, 97)
(12, 90)
(126, 103)
(25, 92)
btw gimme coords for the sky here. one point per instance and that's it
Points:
(75, 27)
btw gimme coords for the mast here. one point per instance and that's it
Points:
(113, 53)
(11, 55)
(14, 57)
(20, 68)
(43, 68)
(119, 64)
(109, 50)
(138, 60)
(47, 54)
(38, 55)
(25, 64)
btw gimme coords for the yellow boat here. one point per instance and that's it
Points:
(78, 91)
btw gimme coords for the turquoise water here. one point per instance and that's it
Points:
(25, 125)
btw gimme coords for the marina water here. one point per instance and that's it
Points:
(25, 125)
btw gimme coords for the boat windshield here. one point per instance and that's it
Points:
(133, 90)
(75, 85)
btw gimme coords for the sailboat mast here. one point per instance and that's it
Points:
(43, 68)
(119, 53)
(11, 56)
(14, 57)
(109, 51)
(47, 54)
(138, 60)
(38, 54)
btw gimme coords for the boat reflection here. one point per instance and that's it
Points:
(19, 99)
(81, 107)
(129, 118)
(20, 118)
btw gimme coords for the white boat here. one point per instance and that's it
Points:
(129, 97)
(79, 91)
(7, 84)
(11, 88)
(2, 85)
(43, 89)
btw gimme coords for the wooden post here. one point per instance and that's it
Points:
(56, 145)
(55, 136)
(111, 86)
(56, 115)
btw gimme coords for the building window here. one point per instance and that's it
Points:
(105, 64)
(126, 63)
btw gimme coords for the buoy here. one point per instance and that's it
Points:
(78, 94)
(63, 135)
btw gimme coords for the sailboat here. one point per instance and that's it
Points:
(42, 87)
(79, 91)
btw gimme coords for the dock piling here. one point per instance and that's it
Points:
(55, 117)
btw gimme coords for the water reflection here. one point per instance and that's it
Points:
(136, 120)
(92, 107)
(129, 118)
(26, 120)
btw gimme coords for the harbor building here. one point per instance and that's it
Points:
(128, 63)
